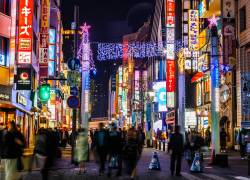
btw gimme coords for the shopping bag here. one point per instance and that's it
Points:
(113, 162)
(187, 155)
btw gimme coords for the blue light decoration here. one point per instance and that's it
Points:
(113, 51)
(225, 68)
(215, 83)
(94, 71)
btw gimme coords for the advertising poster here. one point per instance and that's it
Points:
(23, 79)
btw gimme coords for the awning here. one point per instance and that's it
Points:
(9, 105)
(197, 76)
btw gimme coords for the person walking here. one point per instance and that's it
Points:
(223, 142)
(114, 150)
(51, 151)
(131, 152)
(81, 150)
(3, 131)
(175, 148)
(13, 144)
(141, 139)
(208, 137)
(242, 142)
(101, 144)
(40, 151)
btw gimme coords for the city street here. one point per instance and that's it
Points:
(64, 170)
(117, 76)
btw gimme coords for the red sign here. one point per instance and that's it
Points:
(25, 31)
(170, 19)
(170, 6)
(170, 82)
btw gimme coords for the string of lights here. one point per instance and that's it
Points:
(113, 51)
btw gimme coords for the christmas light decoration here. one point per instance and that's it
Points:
(113, 51)
(85, 53)
(213, 21)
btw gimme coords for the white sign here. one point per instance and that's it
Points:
(43, 55)
(228, 8)
(170, 52)
(24, 57)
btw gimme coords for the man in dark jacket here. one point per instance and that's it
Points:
(13, 144)
(175, 147)
(101, 144)
(114, 150)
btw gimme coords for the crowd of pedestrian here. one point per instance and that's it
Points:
(116, 147)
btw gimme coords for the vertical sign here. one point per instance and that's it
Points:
(193, 30)
(170, 82)
(170, 24)
(25, 31)
(228, 8)
(44, 38)
(51, 52)
(170, 55)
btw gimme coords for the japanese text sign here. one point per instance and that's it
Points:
(25, 31)
(193, 30)
(170, 82)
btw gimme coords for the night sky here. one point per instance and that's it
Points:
(109, 20)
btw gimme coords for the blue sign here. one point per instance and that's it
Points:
(245, 124)
(73, 91)
(73, 102)
(74, 64)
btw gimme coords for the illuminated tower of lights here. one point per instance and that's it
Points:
(85, 55)
(215, 83)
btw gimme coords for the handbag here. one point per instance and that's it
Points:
(113, 162)
(187, 155)
(19, 164)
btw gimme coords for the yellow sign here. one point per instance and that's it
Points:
(203, 38)
(45, 14)
(193, 30)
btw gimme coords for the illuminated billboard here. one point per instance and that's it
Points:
(25, 31)
(170, 81)
(193, 30)
(161, 99)
(44, 38)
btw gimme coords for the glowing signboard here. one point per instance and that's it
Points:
(170, 19)
(193, 30)
(170, 51)
(44, 40)
(25, 32)
(170, 81)
(170, 35)
(160, 89)
(170, 99)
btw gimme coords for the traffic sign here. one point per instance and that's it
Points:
(73, 91)
(74, 64)
(73, 102)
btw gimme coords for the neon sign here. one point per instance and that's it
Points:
(25, 31)
(170, 82)
(193, 30)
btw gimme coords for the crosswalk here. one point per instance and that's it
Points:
(209, 176)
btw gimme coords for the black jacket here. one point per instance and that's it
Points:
(11, 149)
(176, 143)
(97, 141)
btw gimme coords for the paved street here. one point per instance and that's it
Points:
(64, 170)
